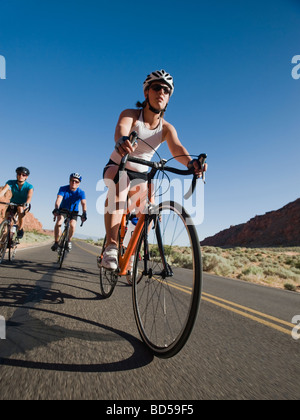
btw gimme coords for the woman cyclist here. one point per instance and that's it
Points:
(22, 193)
(149, 123)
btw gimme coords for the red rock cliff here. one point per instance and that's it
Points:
(31, 223)
(275, 228)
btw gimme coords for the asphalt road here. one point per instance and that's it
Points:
(63, 341)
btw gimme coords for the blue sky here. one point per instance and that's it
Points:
(73, 66)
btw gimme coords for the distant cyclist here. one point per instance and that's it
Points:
(22, 193)
(69, 197)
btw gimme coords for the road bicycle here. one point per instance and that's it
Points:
(8, 232)
(64, 237)
(167, 267)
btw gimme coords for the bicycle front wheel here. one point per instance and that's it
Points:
(4, 236)
(62, 247)
(167, 280)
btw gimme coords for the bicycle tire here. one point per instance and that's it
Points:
(4, 230)
(62, 243)
(108, 279)
(12, 246)
(161, 301)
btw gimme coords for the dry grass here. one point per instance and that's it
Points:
(276, 267)
(35, 237)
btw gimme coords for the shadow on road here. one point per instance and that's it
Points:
(40, 338)
(26, 334)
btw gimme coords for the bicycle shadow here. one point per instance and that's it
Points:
(42, 267)
(48, 269)
(25, 335)
(26, 332)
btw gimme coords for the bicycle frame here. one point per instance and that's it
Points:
(124, 259)
(11, 219)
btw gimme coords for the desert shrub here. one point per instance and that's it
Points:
(253, 270)
(281, 272)
(289, 286)
(183, 260)
(216, 264)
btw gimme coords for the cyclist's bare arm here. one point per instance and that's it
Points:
(4, 191)
(83, 205)
(29, 196)
(22, 209)
(124, 127)
(57, 203)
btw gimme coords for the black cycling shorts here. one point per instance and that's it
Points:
(74, 214)
(132, 175)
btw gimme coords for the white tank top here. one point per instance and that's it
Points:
(152, 139)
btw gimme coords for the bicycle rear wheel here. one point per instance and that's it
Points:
(167, 282)
(12, 246)
(108, 278)
(4, 230)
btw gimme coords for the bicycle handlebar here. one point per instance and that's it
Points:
(11, 204)
(17, 205)
(133, 137)
(69, 214)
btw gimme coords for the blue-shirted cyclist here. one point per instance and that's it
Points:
(69, 197)
(22, 193)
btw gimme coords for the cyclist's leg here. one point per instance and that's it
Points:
(73, 224)
(57, 229)
(57, 232)
(108, 279)
(72, 229)
(115, 204)
(136, 203)
(21, 220)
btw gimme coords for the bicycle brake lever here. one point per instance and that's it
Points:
(192, 188)
(201, 159)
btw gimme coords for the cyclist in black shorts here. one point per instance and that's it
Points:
(149, 123)
(68, 198)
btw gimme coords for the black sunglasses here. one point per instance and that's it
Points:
(157, 88)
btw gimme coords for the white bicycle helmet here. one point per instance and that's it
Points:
(159, 76)
(76, 176)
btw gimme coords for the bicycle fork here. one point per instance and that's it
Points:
(167, 270)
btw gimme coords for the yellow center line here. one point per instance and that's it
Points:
(234, 307)
(86, 250)
(252, 317)
(243, 310)
(251, 310)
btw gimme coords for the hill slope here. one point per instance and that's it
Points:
(275, 228)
